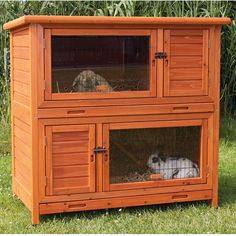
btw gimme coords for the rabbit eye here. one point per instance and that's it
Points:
(155, 159)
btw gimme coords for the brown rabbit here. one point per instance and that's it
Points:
(87, 81)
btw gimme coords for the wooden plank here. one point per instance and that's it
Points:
(92, 158)
(22, 147)
(71, 190)
(70, 147)
(186, 62)
(21, 64)
(124, 202)
(22, 135)
(23, 89)
(21, 40)
(21, 124)
(23, 194)
(126, 110)
(186, 39)
(205, 69)
(160, 64)
(214, 201)
(186, 49)
(126, 193)
(21, 112)
(185, 85)
(70, 159)
(21, 53)
(101, 20)
(70, 171)
(21, 98)
(99, 158)
(186, 32)
(70, 136)
(21, 76)
(185, 74)
(73, 182)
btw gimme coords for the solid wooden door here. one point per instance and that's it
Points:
(70, 165)
(186, 64)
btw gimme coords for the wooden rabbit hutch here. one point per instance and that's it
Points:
(114, 112)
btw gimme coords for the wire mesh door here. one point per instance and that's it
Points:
(158, 154)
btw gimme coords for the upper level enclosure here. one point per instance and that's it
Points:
(113, 60)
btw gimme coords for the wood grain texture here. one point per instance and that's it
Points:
(21, 120)
(73, 171)
(95, 20)
(186, 68)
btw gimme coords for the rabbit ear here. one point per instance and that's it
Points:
(77, 80)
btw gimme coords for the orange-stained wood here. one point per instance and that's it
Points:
(54, 166)
(96, 20)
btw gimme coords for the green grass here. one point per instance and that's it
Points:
(195, 217)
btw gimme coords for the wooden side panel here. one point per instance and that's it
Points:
(21, 116)
(69, 165)
(186, 67)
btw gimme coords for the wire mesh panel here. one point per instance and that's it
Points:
(138, 155)
(100, 63)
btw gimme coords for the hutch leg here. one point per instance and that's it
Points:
(214, 201)
(35, 217)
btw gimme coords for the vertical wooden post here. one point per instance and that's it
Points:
(214, 201)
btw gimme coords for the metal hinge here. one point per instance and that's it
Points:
(209, 43)
(160, 55)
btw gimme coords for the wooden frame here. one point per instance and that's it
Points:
(159, 183)
(94, 95)
(37, 114)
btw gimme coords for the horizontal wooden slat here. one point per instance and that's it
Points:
(186, 39)
(21, 52)
(22, 135)
(70, 136)
(21, 76)
(70, 182)
(21, 64)
(70, 147)
(21, 112)
(23, 175)
(21, 98)
(186, 32)
(70, 191)
(24, 163)
(70, 171)
(22, 125)
(186, 62)
(186, 49)
(22, 146)
(185, 85)
(23, 158)
(185, 74)
(22, 89)
(21, 40)
(50, 208)
(70, 159)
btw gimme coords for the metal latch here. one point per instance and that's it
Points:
(160, 55)
(99, 149)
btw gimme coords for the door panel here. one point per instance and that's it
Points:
(186, 65)
(155, 154)
(98, 64)
(69, 165)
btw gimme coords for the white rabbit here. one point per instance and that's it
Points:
(87, 80)
(172, 167)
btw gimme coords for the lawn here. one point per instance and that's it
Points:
(195, 217)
